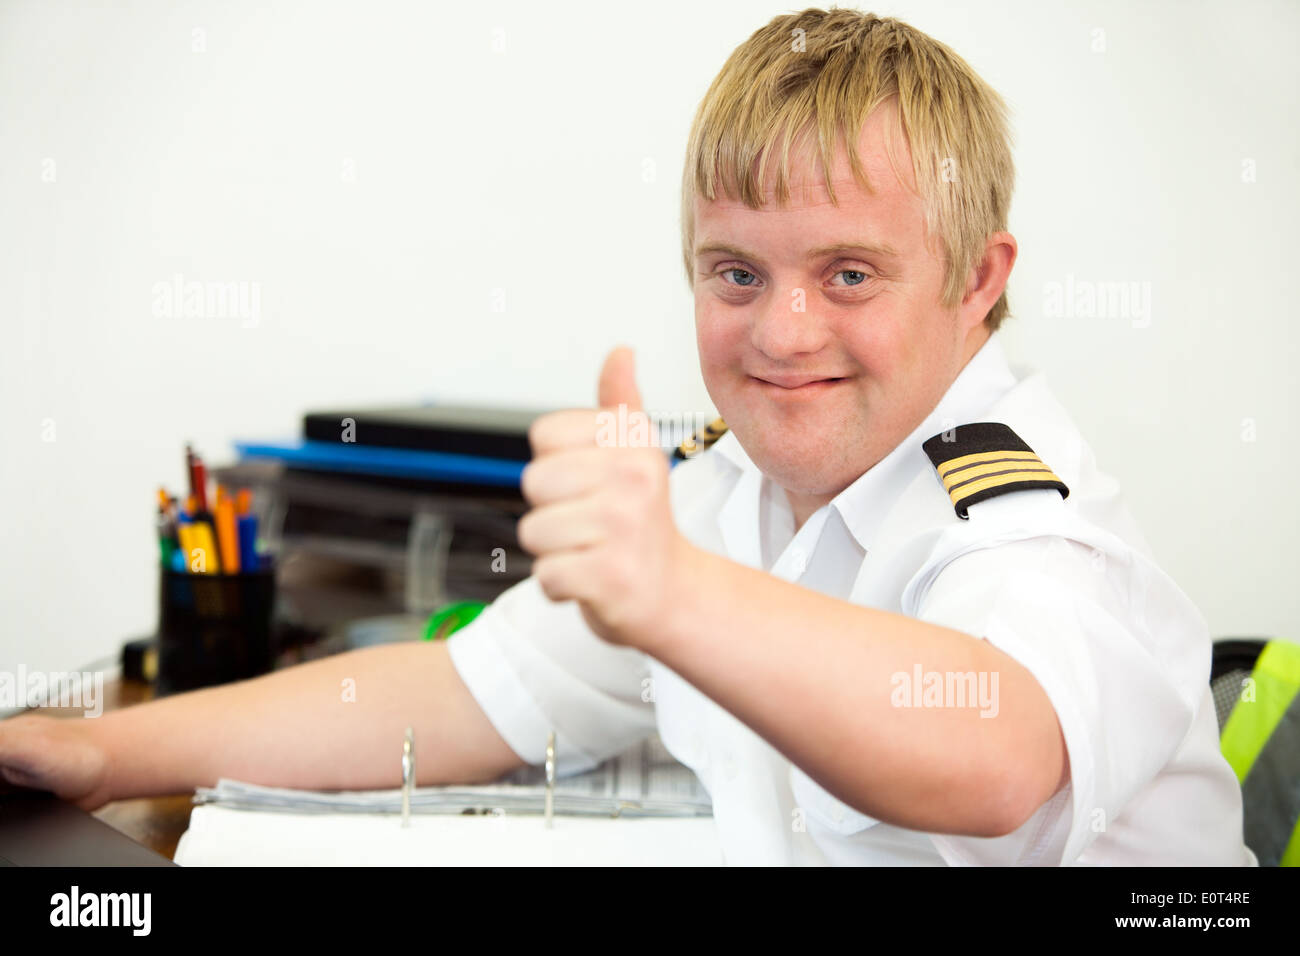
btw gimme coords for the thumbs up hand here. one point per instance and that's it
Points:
(601, 528)
(618, 382)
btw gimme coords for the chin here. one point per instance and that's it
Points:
(801, 481)
(814, 466)
(800, 469)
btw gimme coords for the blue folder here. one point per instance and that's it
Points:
(395, 462)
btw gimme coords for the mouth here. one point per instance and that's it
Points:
(805, 386)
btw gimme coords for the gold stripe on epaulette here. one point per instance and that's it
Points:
(963, 485)
(701, 440)
(978, 461)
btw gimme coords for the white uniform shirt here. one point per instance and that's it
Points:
(1066, 587)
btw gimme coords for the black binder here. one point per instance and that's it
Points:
(485, 431)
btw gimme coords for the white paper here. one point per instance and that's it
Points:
(643, 781)
(219, 836)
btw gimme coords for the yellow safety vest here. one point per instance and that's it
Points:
(1261, 741)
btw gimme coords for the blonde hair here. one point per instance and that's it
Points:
(828, 71)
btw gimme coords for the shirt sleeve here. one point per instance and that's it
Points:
(534, 665)
(1121, 653)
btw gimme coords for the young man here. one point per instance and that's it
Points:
(878, 625)
(893, 615)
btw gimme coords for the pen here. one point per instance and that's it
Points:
(200, 492)
(223, 539)
(196, 536)
(206, 544)
(198, 476)
(166, 529)
(247, 530)
(201, 484)
(227, 532)
(185, 534)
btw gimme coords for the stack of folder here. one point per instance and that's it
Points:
(455, 447)
(393, 510)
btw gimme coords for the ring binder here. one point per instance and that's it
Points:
(550, 778)
(644, 781)
(408, 774)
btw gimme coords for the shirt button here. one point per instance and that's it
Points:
(729, 767)
(837, 812)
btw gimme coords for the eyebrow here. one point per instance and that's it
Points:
(880, 249)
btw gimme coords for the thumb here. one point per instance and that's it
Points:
(618, 381)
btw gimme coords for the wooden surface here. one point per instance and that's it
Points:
(157, 822)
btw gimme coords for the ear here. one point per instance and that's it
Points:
(988, 279)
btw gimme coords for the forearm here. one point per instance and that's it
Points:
(335, 723)
(813, 676)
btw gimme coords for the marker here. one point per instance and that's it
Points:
(247, 525)
(227, 532)
(164, 527)
(185, 533)
(207, 544)
(190, 461)
(201, 486)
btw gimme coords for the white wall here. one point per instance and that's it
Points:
(380, 169)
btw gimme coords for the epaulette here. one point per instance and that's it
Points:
(701, 440)
(986, 459)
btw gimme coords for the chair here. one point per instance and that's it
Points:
(1231, 663)
(1262, 743)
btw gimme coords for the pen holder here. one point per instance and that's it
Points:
(214, 628)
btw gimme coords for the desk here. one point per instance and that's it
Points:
(157, 822)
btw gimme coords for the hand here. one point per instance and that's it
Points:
(58, 754)
(601, 528)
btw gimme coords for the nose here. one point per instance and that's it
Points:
(781, 331)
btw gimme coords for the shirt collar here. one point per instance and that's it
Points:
(864, 503)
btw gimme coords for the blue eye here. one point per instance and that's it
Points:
(742, 272)
(744, 279)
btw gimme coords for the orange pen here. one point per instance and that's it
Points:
(227, 534)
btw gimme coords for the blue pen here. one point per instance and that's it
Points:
(185, 536)
(248, 560)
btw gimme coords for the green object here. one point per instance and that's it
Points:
(451, 618)
(1261, 741)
